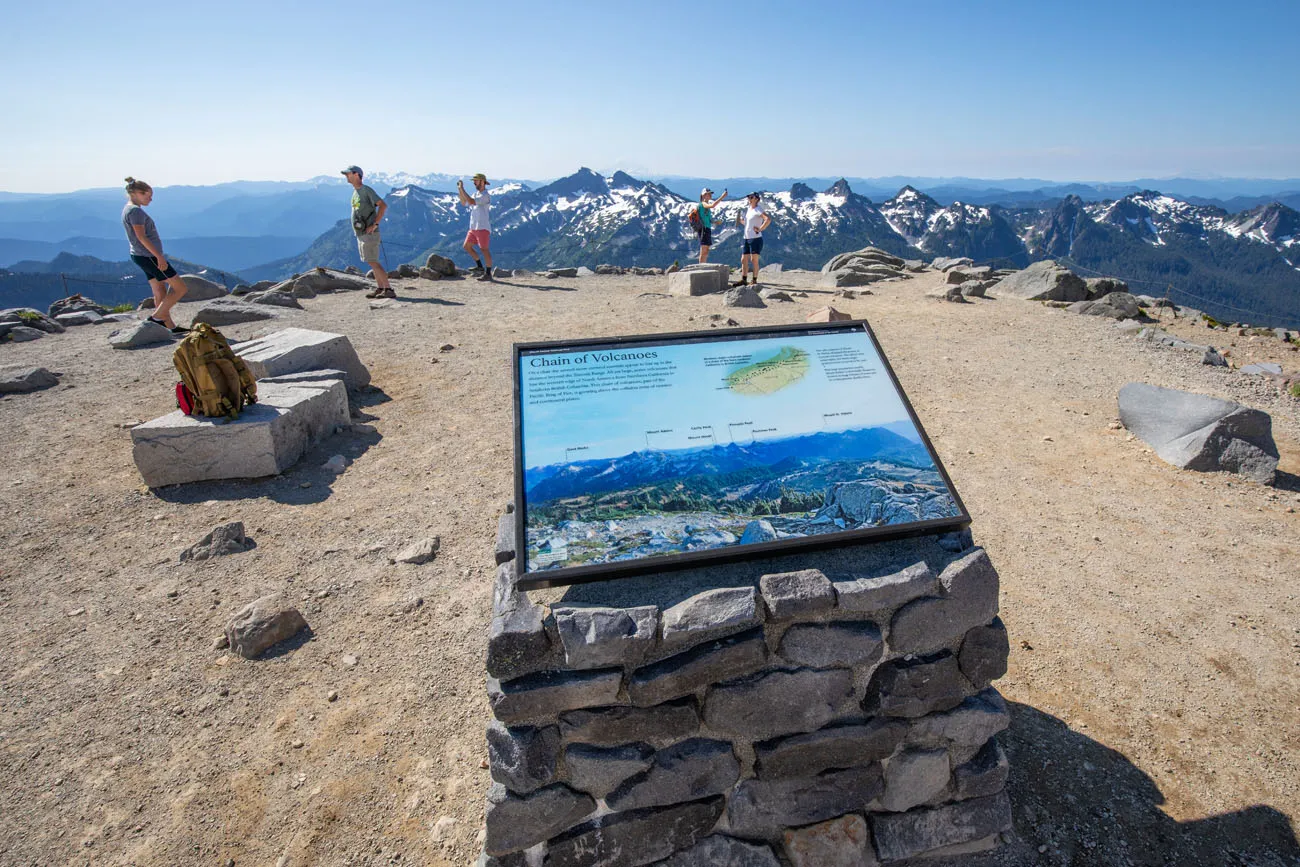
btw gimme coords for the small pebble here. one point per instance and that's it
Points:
(297, 745)
(350, 660)
(332, 695)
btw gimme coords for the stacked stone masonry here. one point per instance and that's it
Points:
(802, 721)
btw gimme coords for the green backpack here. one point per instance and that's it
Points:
(215, 382)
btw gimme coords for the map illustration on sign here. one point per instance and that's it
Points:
(650, 449)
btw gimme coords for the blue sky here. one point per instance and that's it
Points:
(201, 93)
(616, 422)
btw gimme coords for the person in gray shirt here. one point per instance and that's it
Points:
(147, 252)
(367, 210)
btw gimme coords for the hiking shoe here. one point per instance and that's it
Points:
(486, 278)
(477, 269)
(374, 293)
(739, 283)
(180, 329)
(386, 293)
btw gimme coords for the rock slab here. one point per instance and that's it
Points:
(293, 350)
(262, 624)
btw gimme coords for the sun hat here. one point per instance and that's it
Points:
(479, 175)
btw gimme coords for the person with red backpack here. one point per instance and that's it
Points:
(704, 214)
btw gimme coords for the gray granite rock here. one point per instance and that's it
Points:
(143, 333)
(1099, 287)
(549, 693)
(965, 728)
(219, 542)
(505, 547)
(272, 298)
(777, 702)
(229, 311)
(611, 726)
(32, 318)
(441, 264)
(294, 350)
(198, 288)
(907, 835)
(983, 654)
(601, 637)
(1043, 281)
(262, 624)
(970, 598)
(886, 591)
(420, 551)
(515, 823)
(830, 645)
(985, 774)
(916, 686)
(1198, 432)
(1115, 305)
(635, 837)
(600, 770)
(514, 859)
(23, 380)
(718, 850)
(695, 669)
(844, 746)
(709, 615)
(686, 771)
(742, 296)
(761, 808)
(1213, 358)
(972, 289)
(80, 317)
(1262, 368)
(842, 842)
(518, 643)
(913, 777)
(523, 759)
(797, 594)
(760, 530)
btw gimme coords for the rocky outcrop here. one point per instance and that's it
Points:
(199, 288)
(22, 380)
(1113, 305)
(228, 311)
(142, 333)
(1043, 281)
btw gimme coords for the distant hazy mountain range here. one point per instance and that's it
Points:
(1229, 247)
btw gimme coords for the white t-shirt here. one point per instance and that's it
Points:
(478, 212)
(753, 219)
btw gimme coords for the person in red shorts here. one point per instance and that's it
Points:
(480, 225)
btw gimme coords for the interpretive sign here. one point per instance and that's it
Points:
(638, 454)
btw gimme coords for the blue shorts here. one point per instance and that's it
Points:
(149, 265)
(752, 245)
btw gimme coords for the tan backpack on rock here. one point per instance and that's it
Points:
(215, 382)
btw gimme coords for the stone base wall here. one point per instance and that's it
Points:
(820, 716)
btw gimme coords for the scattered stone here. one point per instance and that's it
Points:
(26, 334)
(444, 266)
(336, 464)
(684, 772)
(419, 552)
(1044, 281)
(262, 624)
(742, 296)
(23, 380)
(198, 288)
(1099, 287)
(972, 289)
(350, 660)
(30, 317)
(1262, 368)
(943, 263)
(81, 317)
(1213, 358)
(143, 333)
(696, 282)
(332, 695)
(1201, 433)
(778, 702)
(768, 293)
(515, 823)
(635, 836)
(1115, 305)
(523, 759)
(221, 541)
(827, 314)
(842, 842)
(228, 311)
(78, 303)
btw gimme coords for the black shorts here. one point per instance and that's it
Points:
(754, 246)
(706, 237)
(149, 265)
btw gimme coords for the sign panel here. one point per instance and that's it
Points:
(640, 454)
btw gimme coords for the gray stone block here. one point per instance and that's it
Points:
(22, 380)
(201, 288)
(778, 702)
(262, 624)
(518, 643)
(797, 594)
(229, 311)
(505, 548)
(709, 615)
(970, 588)
(966, 727)
(689, 283)
(983, 654)
(829, 748)
(916, 686)
(907, 835)
(515, 823)
(635, 837)
(550, 693)
(718, 850)
(985, 774)
(686, 771)
(829, 645)
(913, 777)
(762, 808)
(600, 637)
(267, 438)
(695, 669)
(523, 759)
(842, 842)
(742, 296)
(1202, 433)
(293, 350)
(886, 591)
(81, 317)
(600, 770)
(610, 726)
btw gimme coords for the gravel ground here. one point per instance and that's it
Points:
(1155, 667)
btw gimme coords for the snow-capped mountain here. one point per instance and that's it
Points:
(959, 229)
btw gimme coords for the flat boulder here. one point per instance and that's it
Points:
(220, 541)
(200, 288)
(31, 318)
(323, 280)
(865, 256)
(142, 333)
(228, 311)
(441, 264)
(1099, 287)
(23, 333)
(1114, 305)
(75, 304)
(294, 350)
(943, 263)
(1199, 432)
(22, 380)
(276, 298)
(1044, 281)
(81, 317)
(742, 296)
(262, 624)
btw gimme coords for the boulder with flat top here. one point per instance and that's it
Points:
(294, 350)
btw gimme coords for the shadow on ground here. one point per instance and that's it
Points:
(1285, 481)
(1083, 803)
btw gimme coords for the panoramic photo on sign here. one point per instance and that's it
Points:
(656, 452)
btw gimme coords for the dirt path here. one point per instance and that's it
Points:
(1155, 624)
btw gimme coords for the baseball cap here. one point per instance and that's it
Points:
(479, 175)
(754, 195)
(705, 190)
(350, 169)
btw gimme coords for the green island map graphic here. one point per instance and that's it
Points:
(785, 368)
